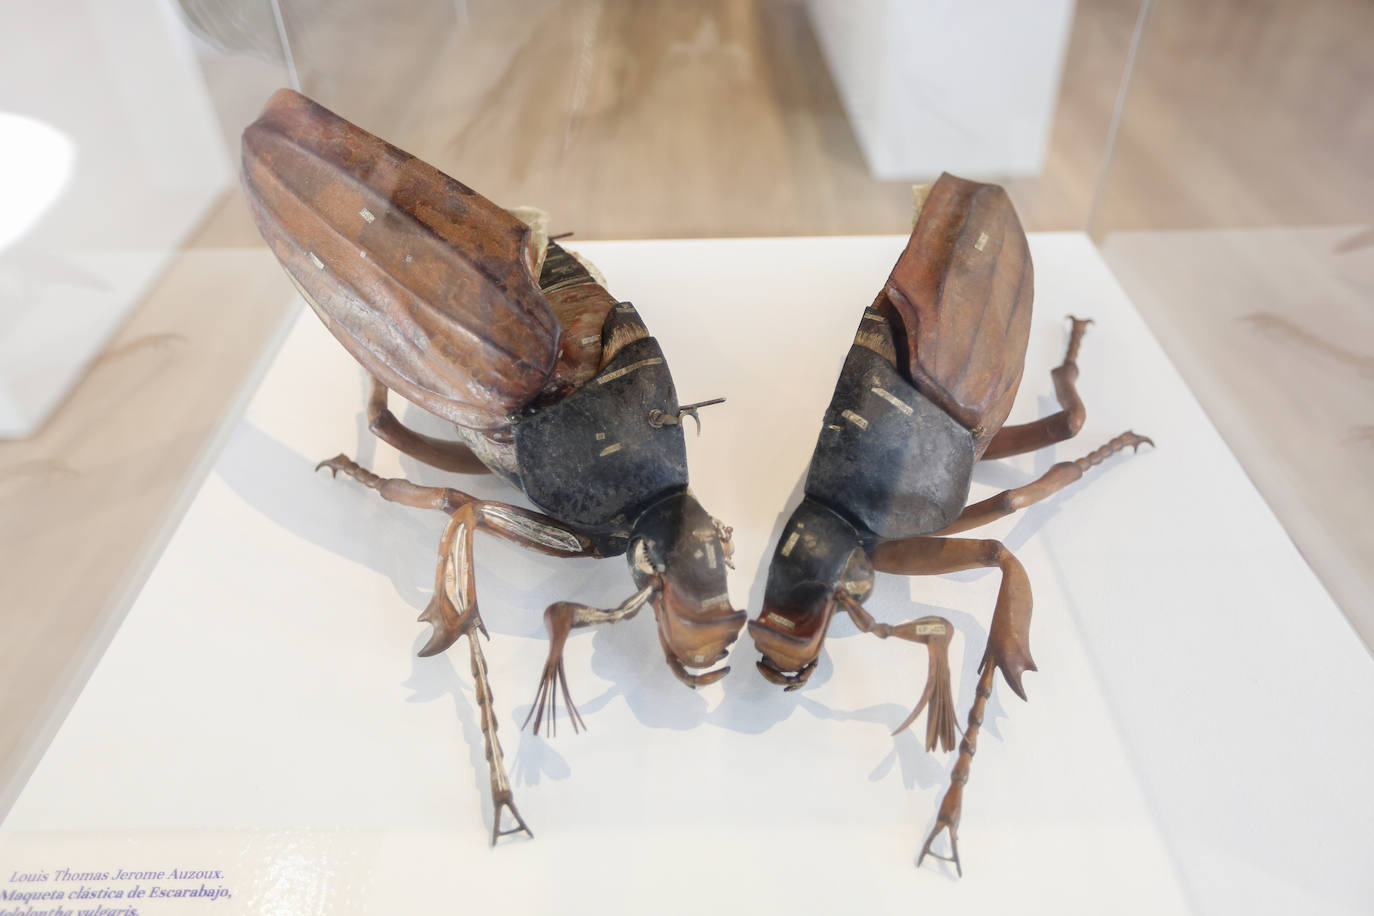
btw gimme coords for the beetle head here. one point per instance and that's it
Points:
(818, 556)
(682, 551)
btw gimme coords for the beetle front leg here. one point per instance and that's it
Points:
(561, 619)
(1027, 437)
(935, 633)
(1008, 648)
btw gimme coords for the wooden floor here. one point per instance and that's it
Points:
(632, 119)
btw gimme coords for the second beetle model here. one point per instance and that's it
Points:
(922, 396)
(473, 313)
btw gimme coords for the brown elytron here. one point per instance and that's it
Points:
(473, 313)
(962, 293)
(923, 394)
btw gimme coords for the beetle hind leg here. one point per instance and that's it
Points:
(439, 453)
(1027, 437)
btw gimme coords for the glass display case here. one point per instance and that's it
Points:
(209, 649)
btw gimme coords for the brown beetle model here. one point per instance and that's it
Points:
(476, 316)
(922, 396)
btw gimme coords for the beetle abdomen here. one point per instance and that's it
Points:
(963, 289)
(425, 282)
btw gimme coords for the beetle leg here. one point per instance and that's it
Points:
(1007, 650)
(1051, 482)
(950, 805)
(560, 619)
(452, 610)
(501, 796)
(398, 489)
(439, 453)
(935, 632)
(453, 613)
(1027, 437)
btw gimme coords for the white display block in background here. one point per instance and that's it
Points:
(119, 84)
(938, 85)
(1196, 738)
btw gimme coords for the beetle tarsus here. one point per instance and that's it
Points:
(350, 468)
(553, 680)
(941, 720)
(1122, 442)
(1080, 326)
(508, 804)
(953, 857)
(496, 762)
(560, 618)
(952, 804)
(935, 633)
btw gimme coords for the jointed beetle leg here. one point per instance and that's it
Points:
(561, 618)
(452, 611)
(1052, 481)
(935, 633)
(1008, 648)
(443, 454)
(1027, 437)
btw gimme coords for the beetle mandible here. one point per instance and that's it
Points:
(922, 396)
(472, 313)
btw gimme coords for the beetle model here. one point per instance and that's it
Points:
(474, 314)
(922, 396)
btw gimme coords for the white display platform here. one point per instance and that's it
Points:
(1196, 738)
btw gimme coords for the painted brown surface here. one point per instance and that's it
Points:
(963, 288)
(428, 284)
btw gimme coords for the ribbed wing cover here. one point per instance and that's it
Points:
(427, 283)
(963, 289)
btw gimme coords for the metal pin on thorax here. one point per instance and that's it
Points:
(658, 418)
